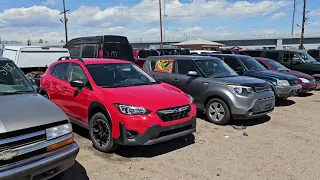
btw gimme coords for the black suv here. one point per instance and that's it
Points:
(315, 53)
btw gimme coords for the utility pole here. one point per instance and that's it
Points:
(293, 15)
(65, 20)
(303, 23)
(160, 13)
(164, 17)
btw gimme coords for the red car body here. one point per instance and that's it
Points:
(306, 86)
(149, 128)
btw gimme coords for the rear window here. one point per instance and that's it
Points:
(163, 65)
(154, 53)
(142, 54)
(120, 50)
(314, 53)
(253, 53)
(272, 55)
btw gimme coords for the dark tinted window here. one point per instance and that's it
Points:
(142, 54)
(276, 65)
(61, 71)
(314, 53)
(232, 62)
(184, 66)
(253, 53)
(251, 64)
(154, 53)
(263, 65)
(51, 69)
(89, 51)
(227, 52)
(215, 68)
(121, 50)
(75, 50)
(148, 53)
(287, 56)
(77, 73)
(272, 55)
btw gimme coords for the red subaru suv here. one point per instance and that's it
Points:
(118, 102)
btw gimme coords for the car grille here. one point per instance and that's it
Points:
(261, 89)
(264, 105)
(293, 82)
(174, 113)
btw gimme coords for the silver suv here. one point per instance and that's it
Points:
(36, 138)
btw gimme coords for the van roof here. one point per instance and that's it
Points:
(17, 48)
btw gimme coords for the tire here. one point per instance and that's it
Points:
(215, 106)
(101, 133)
(45, 95)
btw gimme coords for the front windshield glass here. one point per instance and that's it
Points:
(276, 65)
(306, 57)
(216, 68)
(119, 75)
(12, 80)
(251, 64)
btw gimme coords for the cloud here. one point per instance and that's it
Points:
(279, 15)
(315, 12)
(49, 2)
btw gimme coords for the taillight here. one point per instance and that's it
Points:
(100, 54)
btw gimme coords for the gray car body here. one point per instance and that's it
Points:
(20, 112)
(203, 88)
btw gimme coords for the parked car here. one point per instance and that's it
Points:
(315, 53)
(283, 85)
(140, 55)
(30, 59)
(217, 89)
(118, 102)
(308, 82)
(294, 60)
(101, 47)
(34, 144)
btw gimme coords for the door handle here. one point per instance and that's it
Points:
(175, 80)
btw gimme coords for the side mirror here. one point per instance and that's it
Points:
(77, 84)
(240, 70)
(192, 73)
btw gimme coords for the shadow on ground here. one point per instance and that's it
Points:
(250, 122)
(305, 94)
(81, 131)
(281, 103)
(157, 149)
(77, 171)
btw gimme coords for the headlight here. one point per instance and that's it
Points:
(58, 131)
(191, 98)
(283, 83)
(240, 89)
(304, 80)
(131, 110)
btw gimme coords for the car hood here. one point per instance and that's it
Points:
(21, 111)
(152, 97)
(299, 74)
(244, 81)
(273, 74)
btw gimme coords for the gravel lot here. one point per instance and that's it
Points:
(283, 145)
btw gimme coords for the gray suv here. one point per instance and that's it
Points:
(217, 89)
(36, 138)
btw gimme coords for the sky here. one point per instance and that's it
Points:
(139, 19)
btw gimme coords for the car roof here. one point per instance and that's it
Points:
(180, 57)
(88, 61)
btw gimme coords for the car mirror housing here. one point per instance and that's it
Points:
(192, 73)
(77, 84)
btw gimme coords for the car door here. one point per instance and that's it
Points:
(59, 84)
(192, 85)
(78, 100)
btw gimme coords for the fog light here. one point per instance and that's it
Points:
(249, 112)
(131, 134)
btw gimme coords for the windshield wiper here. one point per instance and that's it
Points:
(14, 92)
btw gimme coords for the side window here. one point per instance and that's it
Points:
(314, 53)
(75, 50)
(272, 55)
(232, 62)
(77, 73)
(263, 65)
(142, 54)
(148, 53)
(163, 65)
(61, 71)
(89, 51)
(184, 66)
(52, 69)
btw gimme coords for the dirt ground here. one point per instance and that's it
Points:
(283, 145)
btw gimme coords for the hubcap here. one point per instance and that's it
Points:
(101, 133)
(216, 111)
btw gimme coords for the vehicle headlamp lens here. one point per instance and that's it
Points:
(283, 83)
(240, 89)
(58, 131)
(131, 110)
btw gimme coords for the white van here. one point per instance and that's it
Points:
(33, 60)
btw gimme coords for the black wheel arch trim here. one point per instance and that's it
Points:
(95, 104)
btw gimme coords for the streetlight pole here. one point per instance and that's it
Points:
(303, 23)
(161, 37)
(65, 20)
(293, 15)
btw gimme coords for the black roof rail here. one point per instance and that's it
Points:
(70, 57)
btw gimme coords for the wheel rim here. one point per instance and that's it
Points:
(216, 111)
(101, 132)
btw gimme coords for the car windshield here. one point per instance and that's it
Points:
(276, 65)
(306, 57)
(251, 64)
(119, 75)
(12, 80)
(216, 68)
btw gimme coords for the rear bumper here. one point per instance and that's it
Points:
(44, 166)
(156, 134)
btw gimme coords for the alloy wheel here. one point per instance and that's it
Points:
(101, 132)
(216, 111)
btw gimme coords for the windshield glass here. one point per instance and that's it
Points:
(12, 80)
(216, 68)
(118, 50)
(251, 64)
(119, 75)
(276, 65)
(306, 57)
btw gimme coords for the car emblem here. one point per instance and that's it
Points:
(8, 154)
(176, 110)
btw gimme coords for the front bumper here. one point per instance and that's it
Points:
(43, 166)
(287, 91)
(306, 87)
(156, 134)
(253, 106)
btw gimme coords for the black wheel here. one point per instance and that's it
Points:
(217, 112)
(100, 133)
